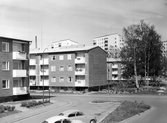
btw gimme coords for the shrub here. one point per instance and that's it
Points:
(2, 108)
(23, 104)
(40, 102)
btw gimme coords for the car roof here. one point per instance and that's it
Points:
(56, 118)
(70, 111)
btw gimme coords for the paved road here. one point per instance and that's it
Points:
(157, 115)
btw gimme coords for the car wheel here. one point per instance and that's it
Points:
(92, 121)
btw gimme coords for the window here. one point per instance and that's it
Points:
(79, 114)
(61, 79)
(5, 84)
(71, 115)
(53, 79)
(66, 121)
(69, 68)
(61, 68)
(53, 58)
(69, 57)
(61, 57)
(5, 47)
(53, 68)
(5, 65)
(69, 79)
(59, 121)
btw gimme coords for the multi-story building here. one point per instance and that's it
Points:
(114, 68)
(64, 43)
(164, 43)
(106, 42)
(77, 68)
(14, 67)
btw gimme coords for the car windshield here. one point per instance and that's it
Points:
(61, 114)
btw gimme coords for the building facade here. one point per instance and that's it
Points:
(14, 67)
(106, 42)
(63, 43)
(164, 43)
(76, 68)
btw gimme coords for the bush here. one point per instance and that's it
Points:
(2, 108)
(23, 104)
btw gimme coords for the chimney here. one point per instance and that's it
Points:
(35, 42)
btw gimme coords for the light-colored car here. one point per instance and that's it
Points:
(61, 119)
(75, 114)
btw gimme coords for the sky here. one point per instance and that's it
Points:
(78, 20)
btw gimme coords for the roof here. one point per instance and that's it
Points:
(65, 40)
(15, 39)
(55, 118)
(70, 111)
(65, 49)
(107, 35)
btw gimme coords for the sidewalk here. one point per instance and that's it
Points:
(31, 112)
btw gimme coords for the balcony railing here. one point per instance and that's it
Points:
(80, 71)
(45, 61)
(32, 62)
(20, 90)
(114, 72)
(80, 60)
(44, 72)
(46, 83)
(115, 66)
(80, 83)
(20, 55)
(32, 72)
(19, 73)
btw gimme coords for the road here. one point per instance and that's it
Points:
(158, 114)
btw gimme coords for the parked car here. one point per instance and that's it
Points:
(75, 114)
(61, 119)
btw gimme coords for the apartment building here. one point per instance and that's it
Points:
(14, 67)
(106, 42)
(64, 43)
(114, 69)
(164, 43)
(76, 68)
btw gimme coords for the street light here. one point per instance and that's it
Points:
(43, 72)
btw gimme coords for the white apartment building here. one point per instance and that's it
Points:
(63, 43)
(164, 48)
(106, 41)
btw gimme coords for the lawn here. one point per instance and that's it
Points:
(126, 110)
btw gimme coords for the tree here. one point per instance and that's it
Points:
(113, 52)
(142, 52)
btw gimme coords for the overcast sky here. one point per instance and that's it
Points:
(78, 20)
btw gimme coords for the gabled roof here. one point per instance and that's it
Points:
(65, 49)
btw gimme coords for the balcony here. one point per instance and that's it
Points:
(32, 83)
(19, 73)
(80, 71)
(20, 55)
(32, 72)
(114, 72)
(80, 60)
(45, 62)
(46, 83)
(80, 83)
(114, 78)
(115, 66)
(20, 90)
(32, 62)
(44, 72)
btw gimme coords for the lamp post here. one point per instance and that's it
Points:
(43, 73)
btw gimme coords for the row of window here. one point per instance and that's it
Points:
(61, 68)
(61, 57)
(61, 79)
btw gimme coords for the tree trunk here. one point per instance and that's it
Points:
(135, 70)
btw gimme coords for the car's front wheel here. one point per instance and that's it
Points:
(92, 121)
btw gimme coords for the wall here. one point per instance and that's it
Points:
(97, 67)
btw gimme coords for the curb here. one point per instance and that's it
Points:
(42, 111)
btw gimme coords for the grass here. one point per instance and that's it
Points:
(126, 110)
